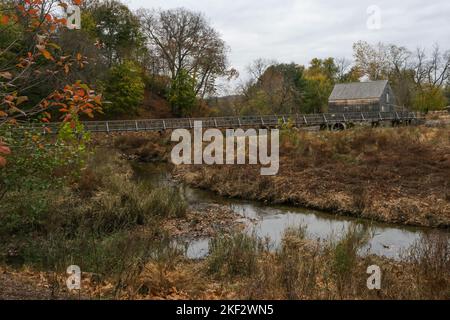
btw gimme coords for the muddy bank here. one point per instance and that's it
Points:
(205, 223)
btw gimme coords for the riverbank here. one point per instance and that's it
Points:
(392, 175)
(104, 221)
(241, 267)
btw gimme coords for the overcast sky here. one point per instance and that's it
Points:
(299, 30)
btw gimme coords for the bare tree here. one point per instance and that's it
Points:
(400, 74)
(258, 67)
(343, 65)
(184, 40)
(433, 71)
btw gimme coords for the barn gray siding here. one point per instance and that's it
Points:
(375, 96)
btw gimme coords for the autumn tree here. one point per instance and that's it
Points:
(372, 60)
(277, 88)
(431, 74)
(117, 30)
(184, 40)
(30, 58)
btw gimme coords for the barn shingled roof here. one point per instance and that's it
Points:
(358, 90)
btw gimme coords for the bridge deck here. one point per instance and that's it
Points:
(298, 120)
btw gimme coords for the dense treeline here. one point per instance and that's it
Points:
(140, 60)
(173, 53)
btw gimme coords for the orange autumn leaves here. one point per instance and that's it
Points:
(75, 100)
(71, 101)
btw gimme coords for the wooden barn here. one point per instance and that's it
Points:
(373, 96)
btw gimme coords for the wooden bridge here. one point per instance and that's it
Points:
(333, 122)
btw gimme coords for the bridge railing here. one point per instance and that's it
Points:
(300, 120)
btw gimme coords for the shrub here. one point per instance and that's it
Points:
(182, 96)
(234, 255)
(95, 228)
(344, 255)
(124, 89)
(166, 202)
(430, 258)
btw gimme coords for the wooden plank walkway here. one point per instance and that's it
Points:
(298, 120)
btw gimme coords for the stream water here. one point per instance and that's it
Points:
(271, 221)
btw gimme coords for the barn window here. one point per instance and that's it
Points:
(387, 97)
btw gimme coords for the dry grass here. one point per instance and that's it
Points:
(240, 267)
(243, 267)
(303, 269)
(145, 147)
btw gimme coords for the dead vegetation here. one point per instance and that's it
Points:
(107, 223)
(127, 252)
(242, 266)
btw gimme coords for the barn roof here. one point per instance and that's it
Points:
(359, 90)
